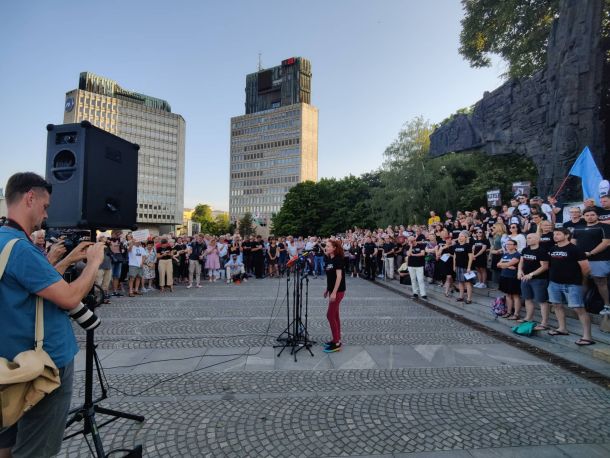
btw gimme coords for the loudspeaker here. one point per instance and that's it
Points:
(94, 175)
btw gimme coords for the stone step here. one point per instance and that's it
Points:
(480, 311)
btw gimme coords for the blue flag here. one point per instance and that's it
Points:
(587, 170)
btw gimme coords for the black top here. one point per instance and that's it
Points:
(563, 266)
(196, 250)
(369, 247)
(546, 241)
(273, 250)
(531, 261)
(588, 237)
(461, 254)
(388, 249)
(318, 250)
(257, 244)
(165, 252)
(478, 245)
(574, 226)
(234, 250)
(455, 233)
(181, 247)
(603, 214)
(416, 261)
(247, 247)
(332, 266)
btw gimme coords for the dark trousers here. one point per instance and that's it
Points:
(259, 265)
(370, 267)
(332, 315)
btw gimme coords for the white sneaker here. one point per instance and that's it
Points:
(189, 286)
(605, 311)
(477, 285)
(483, 285)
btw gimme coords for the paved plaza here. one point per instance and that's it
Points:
(200, 366)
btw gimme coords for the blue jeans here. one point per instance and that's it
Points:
(318, 265)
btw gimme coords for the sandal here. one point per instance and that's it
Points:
(467, 301)
(584, 342)
(556, 332)
(541, 327)
(513, 318)
(459, 299)
(132, 295)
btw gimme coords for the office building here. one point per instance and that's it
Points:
(275, 144)
(149, 122)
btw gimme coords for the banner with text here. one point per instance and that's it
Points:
(522, 187)
(493, 198)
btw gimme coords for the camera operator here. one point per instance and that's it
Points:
(28, 274)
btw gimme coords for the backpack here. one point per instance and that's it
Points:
(498, 306)
(592, 300)
(525, 329)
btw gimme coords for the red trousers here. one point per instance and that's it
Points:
(333, 317)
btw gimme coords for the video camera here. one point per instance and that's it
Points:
(70, 237)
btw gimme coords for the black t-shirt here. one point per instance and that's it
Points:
(318, 250)
(477, 245)
(234, 250)
(388, 249)
(258, 244)
(563, 265)
(331, 268)
(369, 247)
(181, 247)
(531, 261)
(588, 237)
(165, 252)
(546, 241)
(354, 252)
(247, 248)
(273, 250)
(416, 261)
(461, 254)
(575, 226)
(603, 214)
(196, 250)
(455, 233)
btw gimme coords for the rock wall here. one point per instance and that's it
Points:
(549, 117)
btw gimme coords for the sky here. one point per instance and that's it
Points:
(375, 65)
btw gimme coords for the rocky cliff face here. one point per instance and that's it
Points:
(549, 117)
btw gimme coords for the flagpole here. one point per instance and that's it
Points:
(561, 186)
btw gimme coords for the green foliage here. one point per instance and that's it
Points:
(516, 30)
(327, 207)
(222, 224)
(413, 183)
(246, 225)
(460, 111)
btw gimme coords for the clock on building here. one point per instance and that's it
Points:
(69, 104)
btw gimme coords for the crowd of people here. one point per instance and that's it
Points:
(526, 248)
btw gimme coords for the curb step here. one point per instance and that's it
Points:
(480, 311)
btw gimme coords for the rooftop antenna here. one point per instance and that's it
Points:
(260, 62)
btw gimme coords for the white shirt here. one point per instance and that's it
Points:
(136, 256)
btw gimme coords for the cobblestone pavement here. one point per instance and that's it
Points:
(199, 365)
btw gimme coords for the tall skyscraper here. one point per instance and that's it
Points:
(150, 123)
(275, 144)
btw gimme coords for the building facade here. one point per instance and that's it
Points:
(149, 122)
(275, 144)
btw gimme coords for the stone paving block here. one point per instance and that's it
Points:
(585, 450)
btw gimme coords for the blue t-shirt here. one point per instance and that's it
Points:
(27, 273)
(510, 273)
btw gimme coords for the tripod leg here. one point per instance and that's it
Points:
(116, 413)
(91, 426)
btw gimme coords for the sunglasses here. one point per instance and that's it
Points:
(513, 227)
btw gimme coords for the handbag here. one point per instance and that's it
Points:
(32, 374)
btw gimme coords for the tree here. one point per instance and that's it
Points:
(246, 225)
(203, 215)
(223, 224)
(516, 30)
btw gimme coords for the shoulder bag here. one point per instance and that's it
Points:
(31, 375)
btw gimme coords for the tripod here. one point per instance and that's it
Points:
(297, 335)
(89, 408)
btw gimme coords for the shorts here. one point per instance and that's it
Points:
(134, 272)
(535, 289)
(116, 269)
(509, 285)
(559, 291)
(40, 431)
(600, 268)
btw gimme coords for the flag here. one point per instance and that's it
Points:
(587, 170)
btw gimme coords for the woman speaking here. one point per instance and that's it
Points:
(335, 290)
